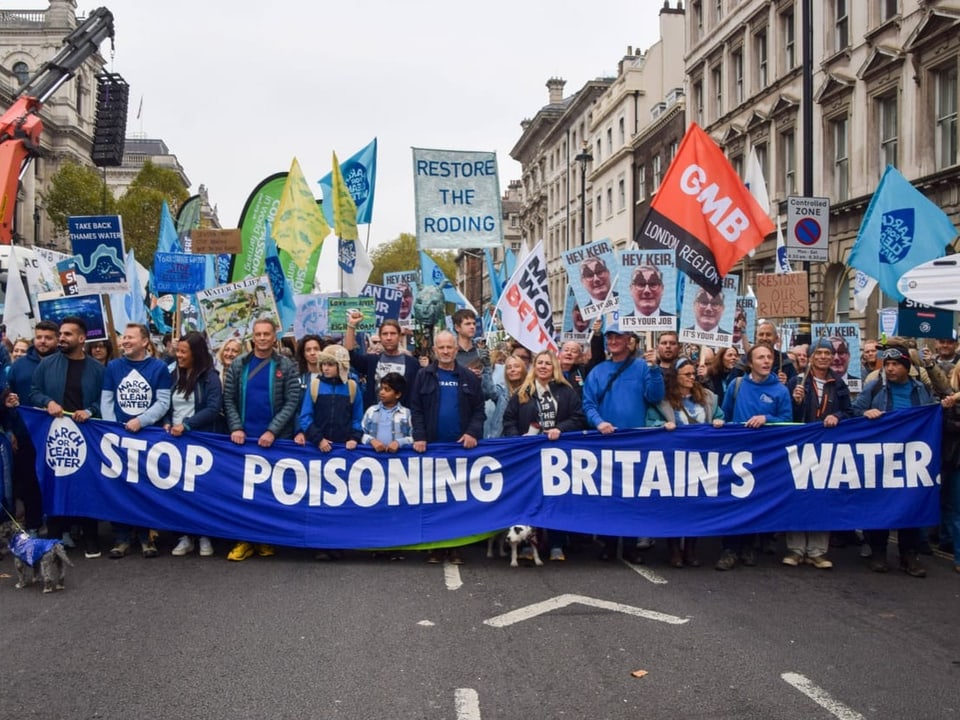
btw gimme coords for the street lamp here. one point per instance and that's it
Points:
(582, 159)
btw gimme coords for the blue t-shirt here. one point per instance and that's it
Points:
(448, 420)
(900, 393)
(258, 405)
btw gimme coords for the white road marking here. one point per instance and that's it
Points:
(821, 697)
(646, 574)
(467, 703)
(561, 601)
(425, 623)
(451, 576)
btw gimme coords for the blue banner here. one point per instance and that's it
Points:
(693, 481)
(97, 242)
(181, 273)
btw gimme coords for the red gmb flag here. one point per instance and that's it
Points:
(704, 211)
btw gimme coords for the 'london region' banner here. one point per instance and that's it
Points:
(693, 481)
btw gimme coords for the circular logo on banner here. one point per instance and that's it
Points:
(925, 327)
(66, 450)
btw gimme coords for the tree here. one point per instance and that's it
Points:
(141, 203)
(76, 190)
(401, 254)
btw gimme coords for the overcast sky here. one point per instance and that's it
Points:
(237, 89)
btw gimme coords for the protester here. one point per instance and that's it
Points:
(720, 371)
(388, 426)
(894, 390)
(261, 397)
(26, 487)
(754, 399)
(668, 349)
(822, 396)
(570, 357)
(196, 405)
(616, 395)
(375, 365)
(19, 349)
(136, 393)
(514, 373)
(799, 356)
(783, 368)
(70, 382)
(229, 351)
(446, 403)
(868, 358)
(332, 409)
(685, 402)
(101, 351)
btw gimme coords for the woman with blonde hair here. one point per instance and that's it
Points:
(228, 352)
(514, 373)
(545, 403)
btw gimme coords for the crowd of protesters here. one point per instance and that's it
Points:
(343, 392)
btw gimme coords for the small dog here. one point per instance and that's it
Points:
(515, 536)
(47, 555)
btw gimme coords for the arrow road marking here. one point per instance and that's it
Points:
(467, 703)
(561, 601)
(821, 697)
(645, 573)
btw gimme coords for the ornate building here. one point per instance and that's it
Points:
(28, 38)
(885, 92)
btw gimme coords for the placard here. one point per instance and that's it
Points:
(216, 241)
(338, 309)
(230, 310)
(179, 272)
(88, 307)
(97, 242)
(782, 296)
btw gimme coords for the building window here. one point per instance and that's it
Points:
(657, 172)
(599, 207)
(841, 159)
(599, 149)
(622, 131)
(945, 111)
(698, 102)
(761, 150)
(888, 10)
(22, 72)
(788, 152)
(760, 45)
(789, 35)
(718, 10)
(697, 11)
(609, 202)
(672, 150)
(621, 194)
(737, 62)
(887, 116)
(716, 75)
(642, 183)
(841, 25)
(737, 163)
(609, 141)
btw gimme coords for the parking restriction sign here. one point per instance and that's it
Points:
(808, 228)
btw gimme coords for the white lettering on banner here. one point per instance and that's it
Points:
(194, 462)
(683, 474)
(404, 481)
(894, 465)
(729, 222)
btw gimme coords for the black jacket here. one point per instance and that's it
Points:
(425, 403)
(520, 416)
(836, 401)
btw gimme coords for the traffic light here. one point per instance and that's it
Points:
(111, 125)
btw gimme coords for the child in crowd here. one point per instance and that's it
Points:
(386, 425)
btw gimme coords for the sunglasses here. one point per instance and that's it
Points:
(590, 272)
(712, 302)
(651, 283)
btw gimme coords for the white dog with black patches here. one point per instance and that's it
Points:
(515, 536)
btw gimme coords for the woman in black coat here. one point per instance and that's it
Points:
(546, 403)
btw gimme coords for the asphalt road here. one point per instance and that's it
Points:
(289, 637)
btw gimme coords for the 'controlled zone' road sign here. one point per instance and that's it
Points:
(808, 228)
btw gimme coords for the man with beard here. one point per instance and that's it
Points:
(374, 366)
(26, 487)
(70, 382)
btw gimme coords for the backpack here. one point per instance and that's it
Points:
(315, 388)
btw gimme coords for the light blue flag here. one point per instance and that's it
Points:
(167, 241)
(360, 175)
(496, 287)
(432, 274)
(282, 290)
(901, 229)
(128, 307)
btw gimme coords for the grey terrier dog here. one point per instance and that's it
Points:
(46, 559)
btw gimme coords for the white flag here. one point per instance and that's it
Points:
(524, 306)
(753, 179)
(355, 266)
(17, 312)
(863, 286)
(783, 264)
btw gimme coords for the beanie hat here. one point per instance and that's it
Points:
(822, 344)
(341, 356)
